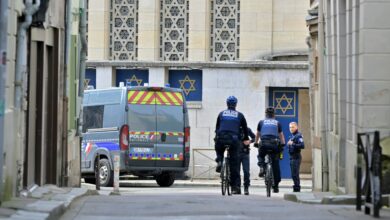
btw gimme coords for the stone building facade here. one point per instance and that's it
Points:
(211, 49)
(40, 87)
(350, 84)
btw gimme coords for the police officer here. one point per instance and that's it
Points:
(295, 145)
(229, 124)
(269, 131)
(244, 162)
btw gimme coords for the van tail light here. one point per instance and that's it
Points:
(124, 137)
(187, 139)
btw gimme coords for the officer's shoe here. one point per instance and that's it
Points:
(236, 190)
(261, 173)
(296, 189)
(219, 167)
(275, 189)
(246, 190)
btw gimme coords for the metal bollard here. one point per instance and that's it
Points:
(97, 172)
(116, 171)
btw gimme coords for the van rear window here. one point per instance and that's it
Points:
(142, 117)
(93, 117)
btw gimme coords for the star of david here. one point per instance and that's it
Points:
(183, 82)
(86, 83)
(286, 107)
(135, 79)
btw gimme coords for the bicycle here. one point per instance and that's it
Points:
(269, 175)
(225, 173)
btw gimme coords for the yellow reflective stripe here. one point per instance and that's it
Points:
(178, 94)
(147, 97)
(165, 100)
(173, 98)
(129, 94)
(136, 99)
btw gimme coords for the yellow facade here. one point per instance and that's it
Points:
(266, 27)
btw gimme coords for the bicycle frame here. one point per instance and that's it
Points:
(269, 177)
(225, 173)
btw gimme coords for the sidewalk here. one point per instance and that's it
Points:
(47, 202)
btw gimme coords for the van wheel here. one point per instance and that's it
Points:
(106, 174)
(165, 179)
(90, 180)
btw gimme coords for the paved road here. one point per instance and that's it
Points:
(186, 202)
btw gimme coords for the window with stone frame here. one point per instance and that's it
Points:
(124, 29)
(174, 30)
(225, 30)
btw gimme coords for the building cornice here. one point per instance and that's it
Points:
(200, 65)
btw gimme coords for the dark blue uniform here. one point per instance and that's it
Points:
(244, 159)
(230, 123)
(269, 129)
(296, 158)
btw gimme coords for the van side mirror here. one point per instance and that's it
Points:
(163, 137)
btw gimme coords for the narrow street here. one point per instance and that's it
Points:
(186, 202)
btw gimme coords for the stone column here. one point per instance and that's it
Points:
(199, 31)
(104, 77)
(158, 76)
(98, 29)
(148, 30)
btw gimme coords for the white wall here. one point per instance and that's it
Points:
(250, 88)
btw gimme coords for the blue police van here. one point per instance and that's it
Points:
(147, 126)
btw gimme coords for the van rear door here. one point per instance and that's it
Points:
(142, 128)
(170, 127)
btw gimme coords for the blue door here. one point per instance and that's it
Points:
(285, 102)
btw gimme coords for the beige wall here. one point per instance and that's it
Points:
(11, 153)
(148, 30)
(289, 27)
(98, 29)
(266, 26)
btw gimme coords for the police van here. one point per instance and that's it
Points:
(147, 126)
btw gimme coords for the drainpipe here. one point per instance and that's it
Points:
(83, 57)
(3, 79)
(68, 32)
(324, 105)
(21, 50)
(21, 82)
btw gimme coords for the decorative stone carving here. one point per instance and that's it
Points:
(225, 30)
(124, 29)
(174, 30)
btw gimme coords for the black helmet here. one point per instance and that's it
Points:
(270, 111)
(231, 101)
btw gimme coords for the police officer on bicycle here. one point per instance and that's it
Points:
(269, 131)
(230, 123)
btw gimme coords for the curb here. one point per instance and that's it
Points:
(324, 198)
(199, 184)
(51, 208)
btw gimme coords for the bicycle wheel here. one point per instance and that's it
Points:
(223, 178)
(268, 179)
(228, 180)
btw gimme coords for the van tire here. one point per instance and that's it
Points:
(106, 173)
(165, 179)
